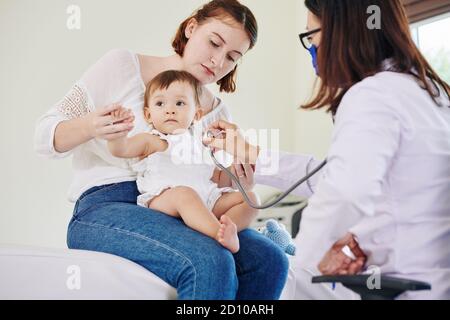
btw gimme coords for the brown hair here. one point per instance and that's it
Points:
(220, 9)
(350, 51)
(163, 81)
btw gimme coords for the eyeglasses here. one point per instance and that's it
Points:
(305, 38)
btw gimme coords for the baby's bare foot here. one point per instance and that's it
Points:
(227, 234)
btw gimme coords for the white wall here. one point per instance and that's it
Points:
(41, 59)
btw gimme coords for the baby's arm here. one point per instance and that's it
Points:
(141, 145)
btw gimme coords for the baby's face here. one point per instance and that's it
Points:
(173, 110)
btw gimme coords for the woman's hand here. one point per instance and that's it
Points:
(336, 262)
(231, 141)
(245, 174)
(109, 123)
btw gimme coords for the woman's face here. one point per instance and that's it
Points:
(214, 48)
(313, 23)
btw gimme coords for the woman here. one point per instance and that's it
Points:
(106, 218)
(385, 190)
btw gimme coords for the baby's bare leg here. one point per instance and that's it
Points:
(164, 203)
(234, 206)
(184, 202)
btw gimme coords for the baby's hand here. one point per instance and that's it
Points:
(122, 115)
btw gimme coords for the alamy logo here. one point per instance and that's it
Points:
(74, 280)
(186, 151)
(374, 21)
(74, 19)
(374, 280)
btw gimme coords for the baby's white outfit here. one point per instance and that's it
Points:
(186, 162)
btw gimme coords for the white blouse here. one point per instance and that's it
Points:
(115, 78)
(387, 181)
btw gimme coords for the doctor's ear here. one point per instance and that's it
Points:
(190, 28)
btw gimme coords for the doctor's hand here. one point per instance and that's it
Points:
(245, 174)
(229, 139)
(336, 262)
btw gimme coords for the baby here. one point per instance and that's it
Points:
(194, 192)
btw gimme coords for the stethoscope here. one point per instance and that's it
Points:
(277, 199)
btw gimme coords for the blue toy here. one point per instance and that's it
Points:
(277, 233)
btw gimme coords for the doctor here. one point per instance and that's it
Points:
(385, 192)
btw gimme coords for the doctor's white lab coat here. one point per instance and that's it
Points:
(387, 181)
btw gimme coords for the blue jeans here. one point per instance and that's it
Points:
(107, 219)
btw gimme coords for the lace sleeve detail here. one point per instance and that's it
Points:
(75, 104)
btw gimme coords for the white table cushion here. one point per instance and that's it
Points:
(65, 274)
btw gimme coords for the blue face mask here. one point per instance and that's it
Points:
(313, 52)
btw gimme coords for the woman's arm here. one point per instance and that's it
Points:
(98, 124)
(84, 112)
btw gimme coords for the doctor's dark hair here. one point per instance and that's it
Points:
(222, 10)
(349, 51)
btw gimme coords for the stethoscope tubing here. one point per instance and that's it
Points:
(279, 198)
